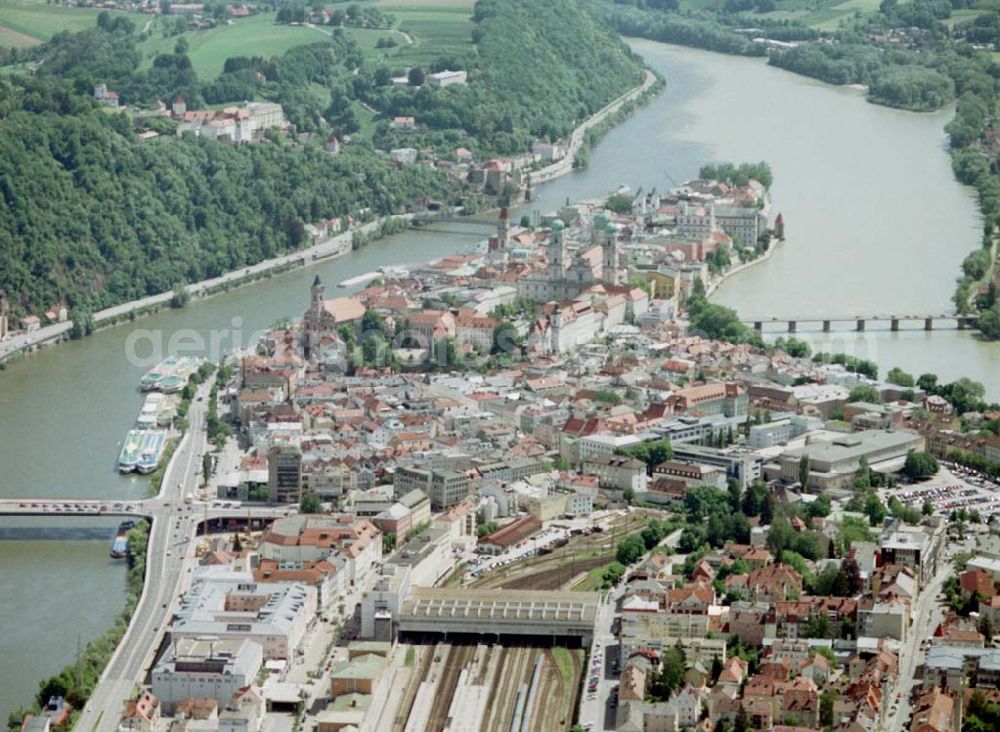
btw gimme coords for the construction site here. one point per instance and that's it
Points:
(478, 687)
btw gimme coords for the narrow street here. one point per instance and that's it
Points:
(926, 618)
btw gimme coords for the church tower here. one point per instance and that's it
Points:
(314, 315)
(557, 251)
(503, 229)
(612, 256)
(318, 297)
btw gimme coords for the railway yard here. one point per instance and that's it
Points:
(562, 566)
(484, 688)
(518, 684)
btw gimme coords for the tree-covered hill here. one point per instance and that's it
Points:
(94, 216)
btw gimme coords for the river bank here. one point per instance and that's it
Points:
(717, 282)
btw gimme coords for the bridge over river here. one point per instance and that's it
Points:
(859, 323)
(210, 515)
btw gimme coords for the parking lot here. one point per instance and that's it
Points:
(954, 488)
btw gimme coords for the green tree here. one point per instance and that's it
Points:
(804, 471)
(899, 377)
(619, 203)
(310, 503)
(630, 550)
(506, 338)
(875, 509)
(864, 393)
(920, 465)
(416, 76)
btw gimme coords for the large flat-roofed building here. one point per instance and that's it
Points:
(781, 431)
(205, 669)
(739, 463)
(230, 605)
(917, 547)
(445, 488)
(956, 667)
(834, 463)
(457, 612)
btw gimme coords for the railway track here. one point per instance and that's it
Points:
(425, 655)
(458, 657)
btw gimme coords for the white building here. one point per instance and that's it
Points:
(447, 78)
(403, 155)
(205, 669)
(593, 445)
(229, 605)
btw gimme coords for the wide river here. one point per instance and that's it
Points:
(875, 221)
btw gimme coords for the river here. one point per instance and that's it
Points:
(874, 218)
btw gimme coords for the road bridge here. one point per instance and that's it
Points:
(860, 323)
(150, 508)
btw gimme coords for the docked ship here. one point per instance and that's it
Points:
(153, 442)
(170, 375)
(150, 413)
(128, 458)
(119, 546)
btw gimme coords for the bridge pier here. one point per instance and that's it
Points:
(928, 323)
(894, 326)
(791, 326)
(861, 324)
(758, 326)
(826, 326)
(962, 323)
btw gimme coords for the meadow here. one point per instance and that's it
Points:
(24, 23)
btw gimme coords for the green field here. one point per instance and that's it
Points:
(254, 36)
(439, 28)
(25, 23)
(424, 32)
(821, 14)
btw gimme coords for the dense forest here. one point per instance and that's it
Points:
(95, 217)
(564, 67)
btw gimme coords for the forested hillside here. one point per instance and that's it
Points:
(94, 216)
